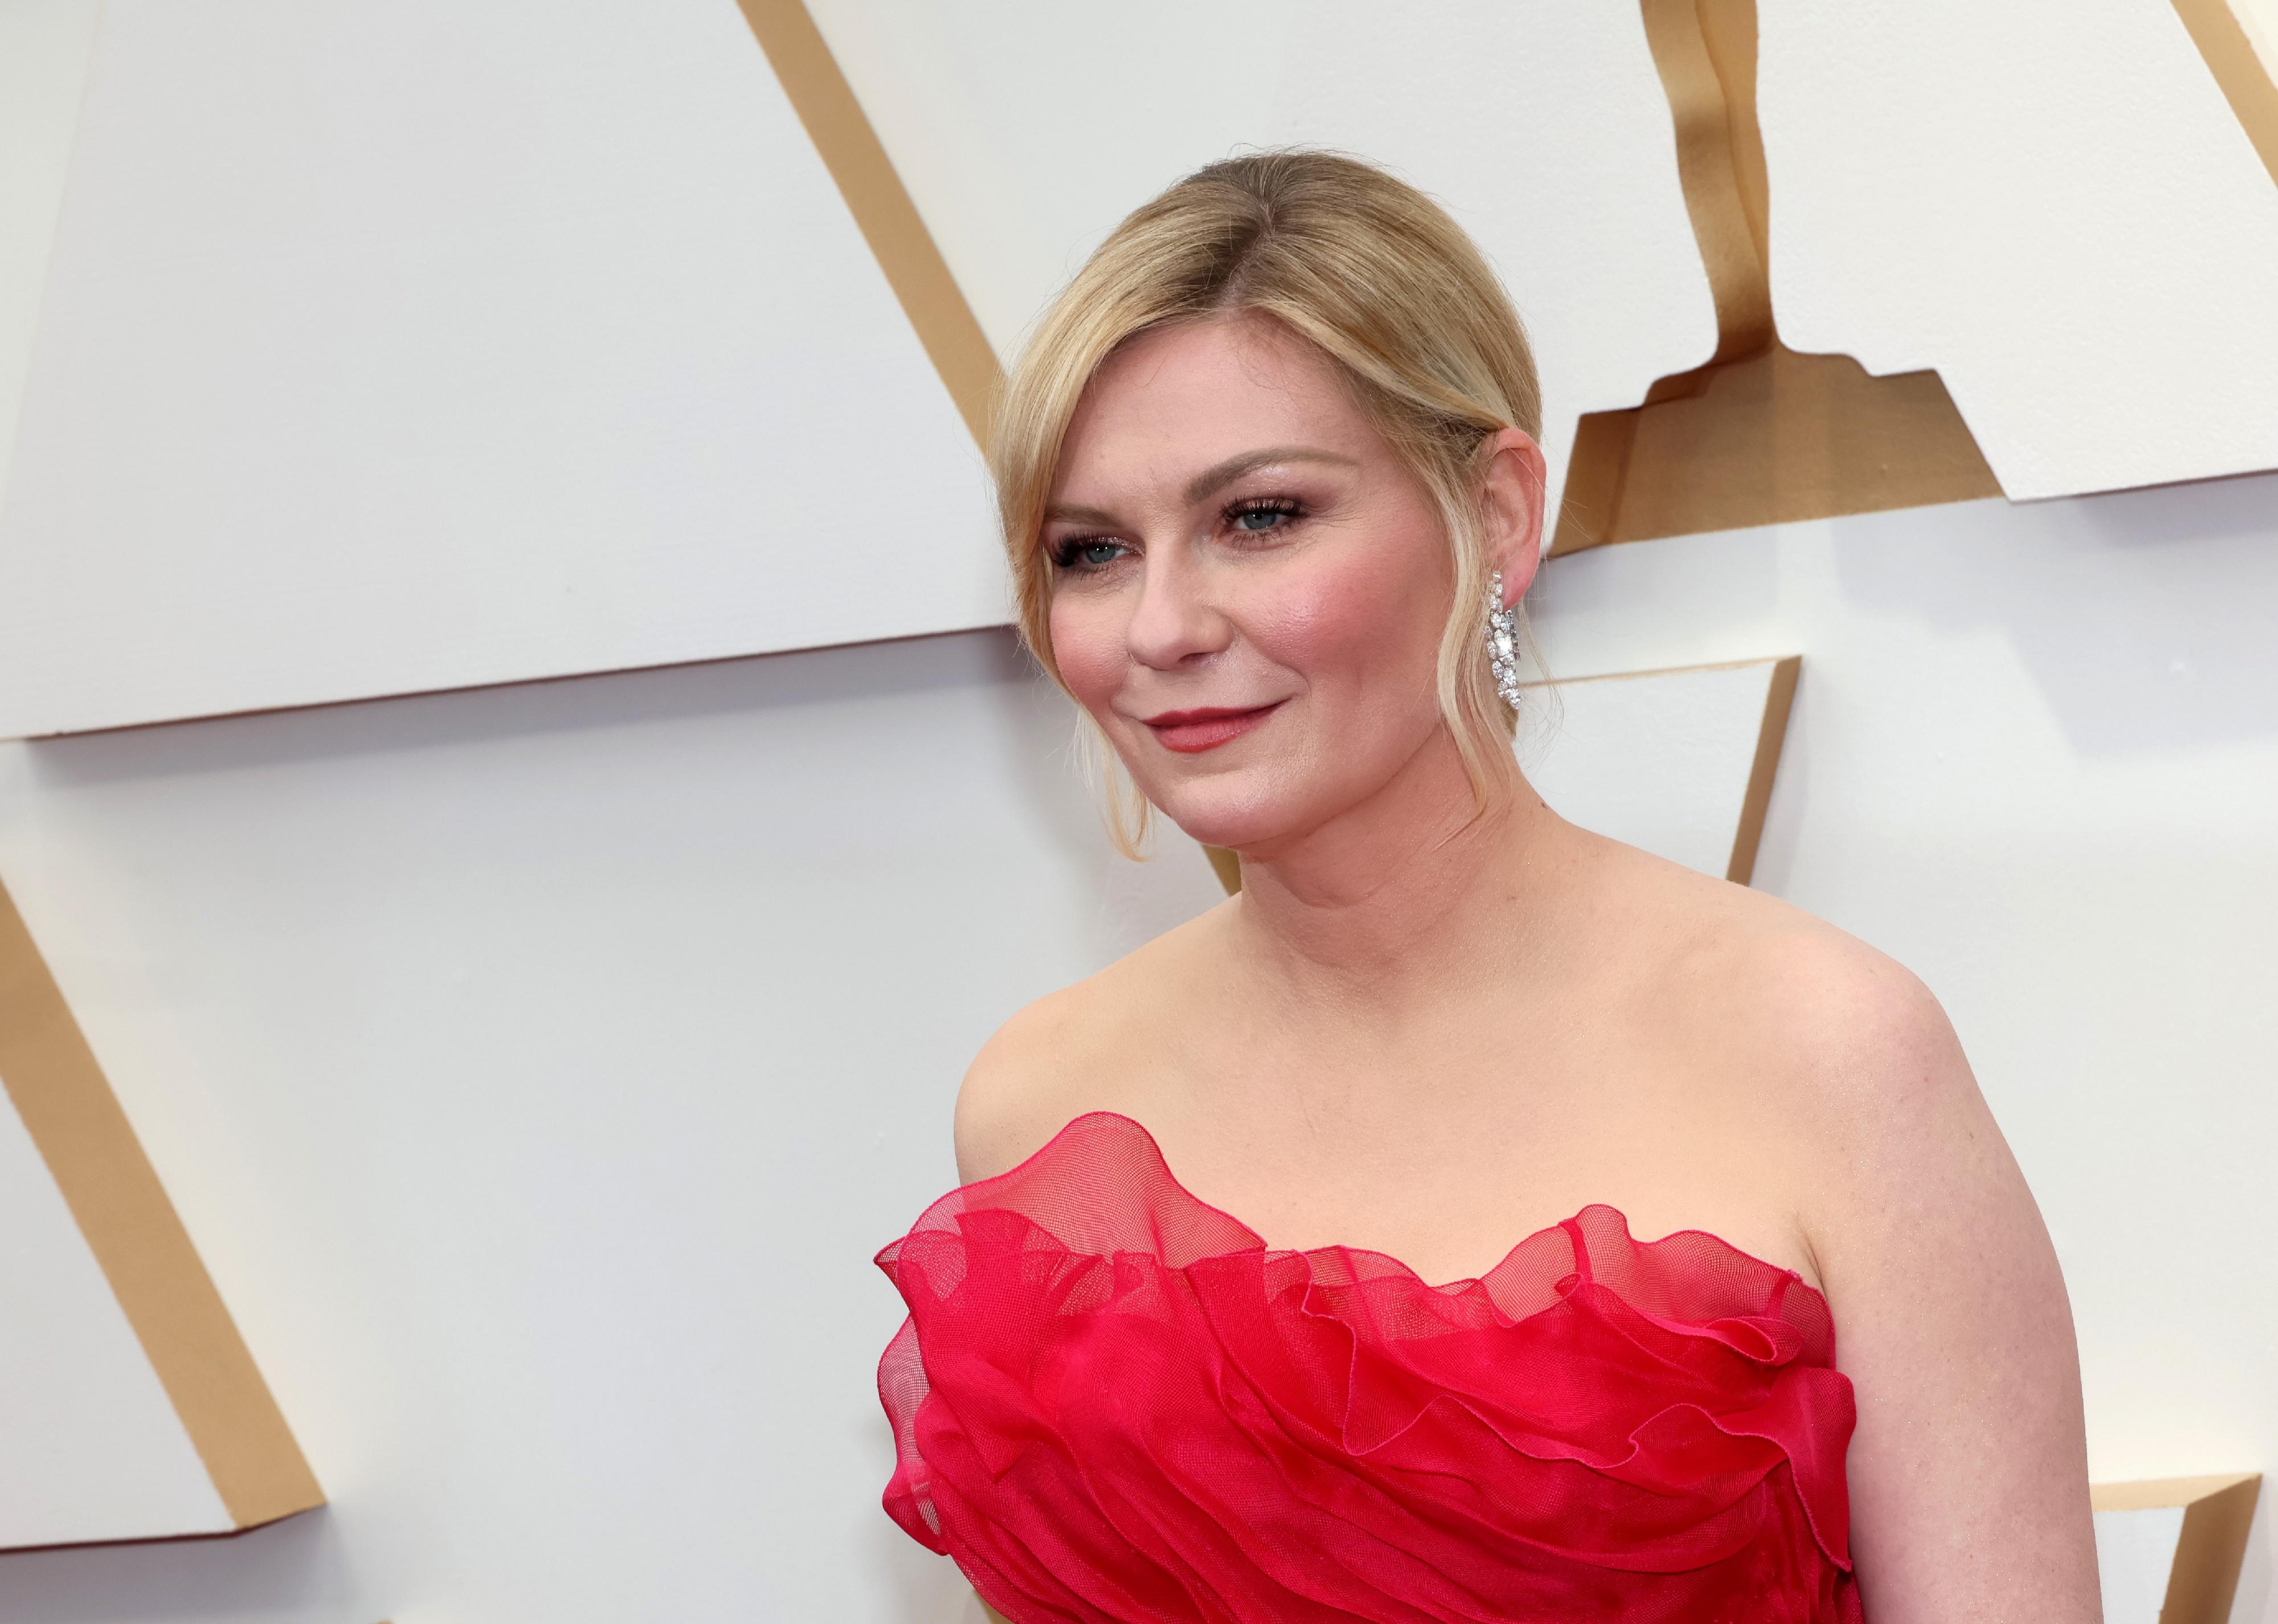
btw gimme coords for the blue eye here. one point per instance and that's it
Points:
(1258, 517)
(1084, 553)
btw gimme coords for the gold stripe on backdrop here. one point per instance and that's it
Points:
(1770, 737)
(114, 1196)
(1763, 761)
(881, 205)
(2243, 76)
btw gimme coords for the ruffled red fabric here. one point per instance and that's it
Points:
(1114, 1403)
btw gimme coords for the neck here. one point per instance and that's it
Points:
(1409, 897)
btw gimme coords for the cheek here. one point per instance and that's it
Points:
(1088, 646)
(1376, 614)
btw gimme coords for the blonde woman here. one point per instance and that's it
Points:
(1301, 1272)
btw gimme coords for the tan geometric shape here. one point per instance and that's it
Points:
(2243, 77)
(1774, 437)
(74, 1121)
(2218, 1513)
(1780, 700)
(1760, 433)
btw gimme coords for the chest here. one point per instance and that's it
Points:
(1446, 1162)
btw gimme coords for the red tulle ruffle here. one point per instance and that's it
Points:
(1113, 1403)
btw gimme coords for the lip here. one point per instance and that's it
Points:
(1190, 733)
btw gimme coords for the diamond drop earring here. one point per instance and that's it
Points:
(1502, 643)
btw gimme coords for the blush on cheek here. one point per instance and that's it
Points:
(1368, 611)
(1089, 652)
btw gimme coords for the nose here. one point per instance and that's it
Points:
(1174, 623)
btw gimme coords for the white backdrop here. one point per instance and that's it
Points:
(536, 1068)
(2049, 202)
(396, 348)
(392, 349)
(94, 1448)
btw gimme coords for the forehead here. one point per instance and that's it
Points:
(1182, 398)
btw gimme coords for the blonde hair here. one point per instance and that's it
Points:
(1383, 283)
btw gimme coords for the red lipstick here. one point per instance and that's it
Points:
(1190, 733)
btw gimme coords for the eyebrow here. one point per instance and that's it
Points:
(1211, 480)
(1221, 475)
(1060, 513)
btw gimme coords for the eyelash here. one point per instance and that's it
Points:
(1064, 551)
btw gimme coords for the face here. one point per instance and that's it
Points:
(1248, 585)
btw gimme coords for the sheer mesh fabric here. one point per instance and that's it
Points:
(1113, 1403)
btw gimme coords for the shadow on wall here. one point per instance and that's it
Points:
(2107, 601)
(1035, 724)
(295, 1569)
(1031, 729)
(1603, 584)
(663, 694)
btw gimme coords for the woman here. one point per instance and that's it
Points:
(1269, 482)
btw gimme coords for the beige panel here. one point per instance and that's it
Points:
(115, 1197)
(1775, 438)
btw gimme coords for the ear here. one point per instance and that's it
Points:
(1513, 487)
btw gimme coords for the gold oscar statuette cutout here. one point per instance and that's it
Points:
(1762, 433)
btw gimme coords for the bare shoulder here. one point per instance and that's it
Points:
(1070, 1052)
(1863, 1057)
(1911, 1168)
(1840, 1061)
(1014, 1095)
(1839, 1030)
(1968, 1470)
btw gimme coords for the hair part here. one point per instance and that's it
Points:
(1374, 275)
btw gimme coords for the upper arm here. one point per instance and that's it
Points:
(1969, 1471)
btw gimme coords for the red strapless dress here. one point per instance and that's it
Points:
(1114, 1403)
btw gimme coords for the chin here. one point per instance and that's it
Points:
(1225, 815)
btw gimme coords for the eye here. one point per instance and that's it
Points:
(1255, 518)
(1083, 553)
